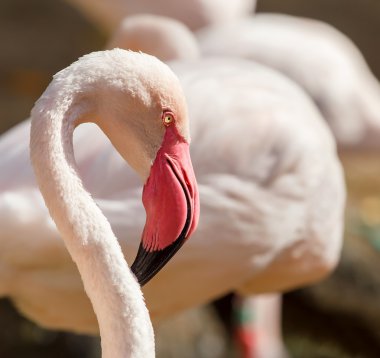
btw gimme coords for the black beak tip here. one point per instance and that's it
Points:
(142, 267)
(148, 263)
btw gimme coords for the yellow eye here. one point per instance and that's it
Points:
(167, 118)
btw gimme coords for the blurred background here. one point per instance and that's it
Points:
(339, 317)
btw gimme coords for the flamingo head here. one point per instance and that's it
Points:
(150, 129)
(170, 197)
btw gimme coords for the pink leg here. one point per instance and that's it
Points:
(258, 326)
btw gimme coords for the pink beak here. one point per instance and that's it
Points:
(171, 202)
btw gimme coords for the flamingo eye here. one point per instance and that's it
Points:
(167, 118)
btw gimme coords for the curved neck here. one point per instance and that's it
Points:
(116, 297)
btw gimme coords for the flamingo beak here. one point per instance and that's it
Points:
(171, 201)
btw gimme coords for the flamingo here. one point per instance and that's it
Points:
(331, 69)
(194, 13)
(272, 219)
(149, 125)
(328, 66)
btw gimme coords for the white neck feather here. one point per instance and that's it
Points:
(124, 323)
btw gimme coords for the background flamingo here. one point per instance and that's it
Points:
(148, 33)
(329, 67)
(335, 74)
